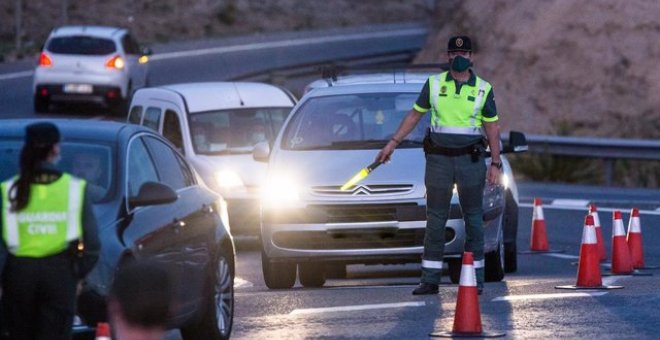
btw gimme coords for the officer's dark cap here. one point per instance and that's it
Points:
(42, 134)
(459, 43)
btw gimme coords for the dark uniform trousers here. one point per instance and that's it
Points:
(469, 174)
(42, 300)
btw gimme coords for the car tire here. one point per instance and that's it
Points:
(510, 225)
(41, 104)
(218, 315)
(277, 275)
(494, 266)
(454, 267)
(311, 274)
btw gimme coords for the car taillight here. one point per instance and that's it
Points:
(44, 60)
(116, 62)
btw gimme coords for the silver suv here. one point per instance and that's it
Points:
(96, 64)
(337, 128)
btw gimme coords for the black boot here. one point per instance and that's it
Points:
(426, 289)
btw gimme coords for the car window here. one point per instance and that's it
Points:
(152, 118)
(135, 115)
(89, 161)
(172, 129)
(140, 167)
(235, 131)
(81, 45)
(130, 45)
(351, 121)
(168, 166)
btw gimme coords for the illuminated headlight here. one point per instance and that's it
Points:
(279, 192)
(228, 179)
(505, 180)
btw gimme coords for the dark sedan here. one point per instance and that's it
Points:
(150, 205)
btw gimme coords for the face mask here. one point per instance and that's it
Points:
(460, 63)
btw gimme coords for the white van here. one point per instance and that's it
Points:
(216, 125)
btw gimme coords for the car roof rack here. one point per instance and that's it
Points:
(332, 72)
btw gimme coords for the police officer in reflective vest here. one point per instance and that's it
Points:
(461, 104)
(49, 241)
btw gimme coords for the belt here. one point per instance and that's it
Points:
(431, 148)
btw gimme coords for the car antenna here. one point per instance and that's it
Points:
(238, 94)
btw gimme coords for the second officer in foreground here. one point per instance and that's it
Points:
(461, 105)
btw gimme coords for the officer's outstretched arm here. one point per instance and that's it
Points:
(407, 125)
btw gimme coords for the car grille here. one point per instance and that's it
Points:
(367, 190)
(375, 238)
(349, 213)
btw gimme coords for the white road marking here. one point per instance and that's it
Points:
(240, 283)
(570, 202)
(16, 75)
(356, 308)
(547, 296)
(570, 207)
(286, 43)
(562, 256)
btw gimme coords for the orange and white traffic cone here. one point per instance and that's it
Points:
(102, 331)
(599, 232)
(634, 239)
(621, 263)
(588, 276)
(467, 320)
(538, 242)
(539, 238)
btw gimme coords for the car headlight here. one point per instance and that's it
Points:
(228, 179)
(280, 192)
(505, 180)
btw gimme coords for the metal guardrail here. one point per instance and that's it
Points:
(608, 149)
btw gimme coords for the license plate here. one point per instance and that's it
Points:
(78, 88)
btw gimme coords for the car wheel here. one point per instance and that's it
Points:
(511, 234)
(277, 275)
(494, 267)
(218, 317)
(454, 267)
(41, 104)
(311, 274)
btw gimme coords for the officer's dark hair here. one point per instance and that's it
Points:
(142, 293)
(40, 138)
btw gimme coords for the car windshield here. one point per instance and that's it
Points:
(88, 161)
(352, 121)
(81, 45)
(235, 131)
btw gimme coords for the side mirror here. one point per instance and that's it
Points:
(517, 142)
(261, 152)
(153, 193)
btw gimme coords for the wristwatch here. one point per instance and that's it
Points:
(496, 164)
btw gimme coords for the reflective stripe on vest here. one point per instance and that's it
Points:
(51, 219)
(453, 113)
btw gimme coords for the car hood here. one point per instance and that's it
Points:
(332, 168)
(250, 171)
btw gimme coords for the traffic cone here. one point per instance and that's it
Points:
(539, 239)
(634, 239)
(589, 263)
(599, 233)
(102, 331)
(538, 242)
(621, 263)
(467, 320)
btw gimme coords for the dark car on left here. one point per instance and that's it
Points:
(150, 205)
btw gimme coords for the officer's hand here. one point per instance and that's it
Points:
(493, 175)
(386, 152)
